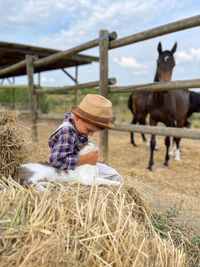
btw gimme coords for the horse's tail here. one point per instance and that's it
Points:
(130, 102)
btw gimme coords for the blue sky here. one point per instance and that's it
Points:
(65, 24)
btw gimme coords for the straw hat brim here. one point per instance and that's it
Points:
(91, 118)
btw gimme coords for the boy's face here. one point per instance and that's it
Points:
(84, 127)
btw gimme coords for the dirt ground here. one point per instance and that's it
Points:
(163, 187)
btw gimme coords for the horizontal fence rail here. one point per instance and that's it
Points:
(156, 86)
(17, 86)
(156, 130)
(71, 51)
(54, 90)
(51, 116)
(158, 31)
(150, 87)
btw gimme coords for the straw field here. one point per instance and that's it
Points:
(152, 220)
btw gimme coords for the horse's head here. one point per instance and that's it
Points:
(165, 64)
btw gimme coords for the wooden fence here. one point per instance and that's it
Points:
(107, 41)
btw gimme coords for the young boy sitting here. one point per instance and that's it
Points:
(92, 115)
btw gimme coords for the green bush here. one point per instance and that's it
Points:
(22, 99)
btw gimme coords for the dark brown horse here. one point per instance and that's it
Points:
(137, 103)
(194, 106)
(169, 107)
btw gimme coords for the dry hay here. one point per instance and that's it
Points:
(14, 147)
(73, 225)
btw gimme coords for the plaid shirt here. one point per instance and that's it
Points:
(65, 144)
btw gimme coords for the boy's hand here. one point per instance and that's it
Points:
(89, 158)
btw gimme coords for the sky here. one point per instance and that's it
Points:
(63, 24)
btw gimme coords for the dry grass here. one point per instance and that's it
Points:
(80, 226)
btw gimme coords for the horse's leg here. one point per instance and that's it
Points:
(152, 147)
(180, 123)
(173, 151)
(143, 122)
(174, 148)
(167, 144)
(134, 121)
(177, 153)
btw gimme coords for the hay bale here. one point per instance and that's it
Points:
(15, 148)
(80, 226)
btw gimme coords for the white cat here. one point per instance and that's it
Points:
(42, 174)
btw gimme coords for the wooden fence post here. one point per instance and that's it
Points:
(13, 95)
(103, 84)
(38, 97)
(76, 82)
(32, 96)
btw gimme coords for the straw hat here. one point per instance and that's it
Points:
(95, 109)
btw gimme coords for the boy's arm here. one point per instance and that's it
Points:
(62, 155)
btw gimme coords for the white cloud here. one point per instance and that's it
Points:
(104, 14)
(140, 73)
(192, 56)
(45, 79)
(130, 62)
(29, 14)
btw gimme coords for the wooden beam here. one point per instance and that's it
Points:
(40, 51)
(84, 57)
(57, 56)
(13, 68)
(76, 91)
(103, 84)
(17, 86)
(57, 90)
(71, 51)
(164, 131)
(156, 86)
(158, 31)
(32, 96)
(51, 116)
(69, 75)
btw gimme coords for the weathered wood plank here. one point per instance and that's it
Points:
(57, 56)
(156, 86)
(16, 86)
(52, 90)
(158, 31)
(164, 131)
(51, 116)
(32, 96)
(103, 84)
(71, 51)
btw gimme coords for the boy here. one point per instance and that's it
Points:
(92, 115)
